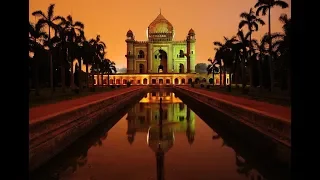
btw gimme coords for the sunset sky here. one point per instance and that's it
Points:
(211, 20)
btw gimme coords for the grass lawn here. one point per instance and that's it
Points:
(278, 97)
(46, 97)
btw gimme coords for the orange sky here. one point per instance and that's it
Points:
(211, 20)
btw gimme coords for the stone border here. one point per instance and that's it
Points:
(273, 126)
(49, 137)
(38, 120)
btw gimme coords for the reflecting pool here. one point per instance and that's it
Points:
(152, 141)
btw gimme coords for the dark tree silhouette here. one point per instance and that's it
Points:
(262, 7)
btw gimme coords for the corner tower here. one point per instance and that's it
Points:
(130, 55)
(191, 51)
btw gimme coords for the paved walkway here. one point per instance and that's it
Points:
(48, 109)
(277, 110)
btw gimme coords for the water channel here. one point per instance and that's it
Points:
(195, 143)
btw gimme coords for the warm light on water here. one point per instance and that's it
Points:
(193, 151)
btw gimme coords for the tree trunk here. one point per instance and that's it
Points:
(63, 77)
(98, 82)
(220, 79)
(102, 79)
(260, 73)
(50, 62)
(243, 74)
(251, 64)
(251, 76)
(237, 74)
(270, 53)
(289, 80)
(225, 77)
(214, 82)
(80, 75)
(108, 79)
(71, 75)
(36, 76)
(87, 74)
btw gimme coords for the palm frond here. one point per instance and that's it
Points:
(39, 14)
(79, 24)
(50, 11)
(280, 3)
(243, 23)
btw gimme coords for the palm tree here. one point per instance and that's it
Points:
(223, 52)
(109, 68)
(243, 44)
(49, 20)
(252, 21)
(260, 53)
(282, 47)
(35, 33)
(212, 68)
(79, 52)
(264, 6)
(59, 51)
(99, 52)
(87, 56)
(72, 31)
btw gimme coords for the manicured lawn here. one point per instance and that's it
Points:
(46, 97)
(278, 97)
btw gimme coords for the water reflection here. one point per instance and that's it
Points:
(164, 114)
(146, 114)
(76, 156)
(256, 157)
(158, 142)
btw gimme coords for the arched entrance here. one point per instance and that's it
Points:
(183, 81)
(141, 68)
(153, 81)
(181, 68)
(176, 81)
(145, 81)
(141, 54)
(189, 81)
(204, 80)
(197, 80)
(162, 59)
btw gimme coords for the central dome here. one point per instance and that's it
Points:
(160, 29)
(160, 25)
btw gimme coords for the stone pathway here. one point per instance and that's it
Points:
(48, 109)
(277, 110)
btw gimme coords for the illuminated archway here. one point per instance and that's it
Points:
(145, 81)
(176, 81)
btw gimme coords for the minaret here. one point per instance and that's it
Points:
(190, 127)
(130, 55)
(191, 53)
